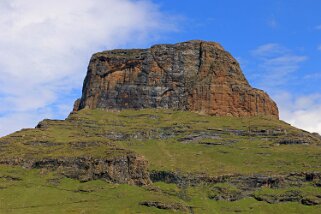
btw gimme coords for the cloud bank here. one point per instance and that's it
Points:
(302, 111)
(276, 65)
(46, 45)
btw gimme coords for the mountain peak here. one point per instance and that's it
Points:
(198, 76)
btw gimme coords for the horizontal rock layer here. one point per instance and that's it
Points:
(195, 76)
(130, 169)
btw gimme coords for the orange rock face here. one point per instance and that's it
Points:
(195, 76)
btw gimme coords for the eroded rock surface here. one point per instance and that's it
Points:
(130, 169)
(166, 206)
(236, 187)
(195, 75)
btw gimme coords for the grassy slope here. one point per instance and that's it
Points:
(140, 131)
(39, 192)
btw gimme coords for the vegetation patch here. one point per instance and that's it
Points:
(159, 161)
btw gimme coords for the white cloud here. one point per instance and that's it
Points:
(45, 47)
(269, 50)
(19, 120)
(319, 47)
(318, 27)
(313, 76)
(302, 112)
(275, 68)
(276, 63)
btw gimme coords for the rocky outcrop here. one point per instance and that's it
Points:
(195, 75)
(236, 187)
(244, 182)
(129, 169)
(166, 206)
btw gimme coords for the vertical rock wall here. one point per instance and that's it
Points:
(195, 76)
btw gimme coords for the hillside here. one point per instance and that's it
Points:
(173, 128)
(160, 161)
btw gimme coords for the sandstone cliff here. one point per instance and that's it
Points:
(195, 75)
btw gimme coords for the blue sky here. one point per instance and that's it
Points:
(277, 43)
(45, 47)
(243, 27)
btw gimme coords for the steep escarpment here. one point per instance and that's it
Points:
(195, 76)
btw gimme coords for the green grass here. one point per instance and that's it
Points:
(158, 135)
(43, 192)
(246, 155)
(39, 192)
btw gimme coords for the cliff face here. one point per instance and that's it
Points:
(195, 75)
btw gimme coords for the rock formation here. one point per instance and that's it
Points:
(129, 169)
(195, 75)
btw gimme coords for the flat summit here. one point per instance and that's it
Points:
(196, 75)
